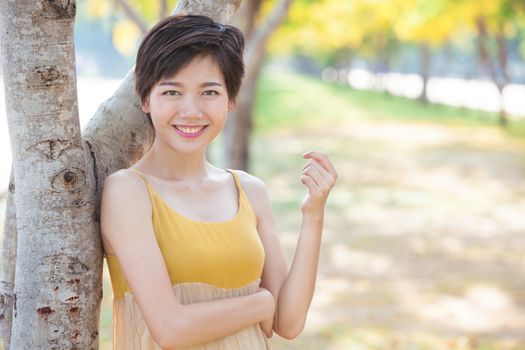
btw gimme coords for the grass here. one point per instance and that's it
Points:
(288, 99)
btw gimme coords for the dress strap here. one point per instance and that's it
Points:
(244, 202)
(235, 177)
(148, 186)
(140, 174)
(237, 183)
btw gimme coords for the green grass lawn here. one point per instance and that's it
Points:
(289, 99)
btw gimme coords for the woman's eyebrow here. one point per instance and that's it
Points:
(206, 84)
(171, 83)
(211, 83)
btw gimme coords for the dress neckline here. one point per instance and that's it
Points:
(240, 206)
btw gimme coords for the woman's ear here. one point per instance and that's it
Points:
(145, 106)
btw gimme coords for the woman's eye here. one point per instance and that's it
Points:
(210, 93)
(171, 93)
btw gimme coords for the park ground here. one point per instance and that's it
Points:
(425, 230)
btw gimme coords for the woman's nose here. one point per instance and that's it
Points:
(190, 107)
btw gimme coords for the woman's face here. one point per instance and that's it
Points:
(189, 109)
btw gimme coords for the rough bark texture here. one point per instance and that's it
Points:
(221, 10)
(57, 291)
(66, 176)
(117, 135)
(239, 126)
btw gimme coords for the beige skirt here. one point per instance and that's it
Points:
(131, 333)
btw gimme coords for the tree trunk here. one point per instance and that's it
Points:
(502, 64)
(239, 126)
(425, 70)
(57, 304)
(245, 17)
(163, 9)
(56, 300)
(220, 10)
(486, 61)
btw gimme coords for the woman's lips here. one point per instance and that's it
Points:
(189, 131)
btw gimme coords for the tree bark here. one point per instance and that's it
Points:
(63, 173)
(239, 126)
(220, 10)
(56, 300)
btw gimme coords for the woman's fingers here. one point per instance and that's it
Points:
(318, 173)
(321, 169)
(323, 159)
(319, 177)
(308, 181)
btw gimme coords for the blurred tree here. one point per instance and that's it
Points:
(325, 28)
(494, 25)
(257, 31)
(492, 22)
(427, 24)
(375, 30)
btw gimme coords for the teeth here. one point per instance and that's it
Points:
(189, 130)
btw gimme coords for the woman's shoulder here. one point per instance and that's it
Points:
(124, 177)
(125, 183)
(249, 182)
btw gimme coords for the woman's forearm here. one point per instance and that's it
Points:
(297, 291)
(203, 322)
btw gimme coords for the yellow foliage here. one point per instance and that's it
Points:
(367, 25)
(125, 36)
(98, 8)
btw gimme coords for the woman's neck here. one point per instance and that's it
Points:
(165, 163)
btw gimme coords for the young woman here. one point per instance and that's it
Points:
(192, 249)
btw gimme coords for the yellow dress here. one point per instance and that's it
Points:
(206, 261)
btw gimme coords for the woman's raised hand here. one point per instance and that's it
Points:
(319, 177)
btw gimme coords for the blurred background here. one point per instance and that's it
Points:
(421, 106)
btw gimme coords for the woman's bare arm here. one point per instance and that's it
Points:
(293, 288)
(127, 229)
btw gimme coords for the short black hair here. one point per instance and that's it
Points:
(173, 42)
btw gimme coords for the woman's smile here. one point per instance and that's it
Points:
(189, 131)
